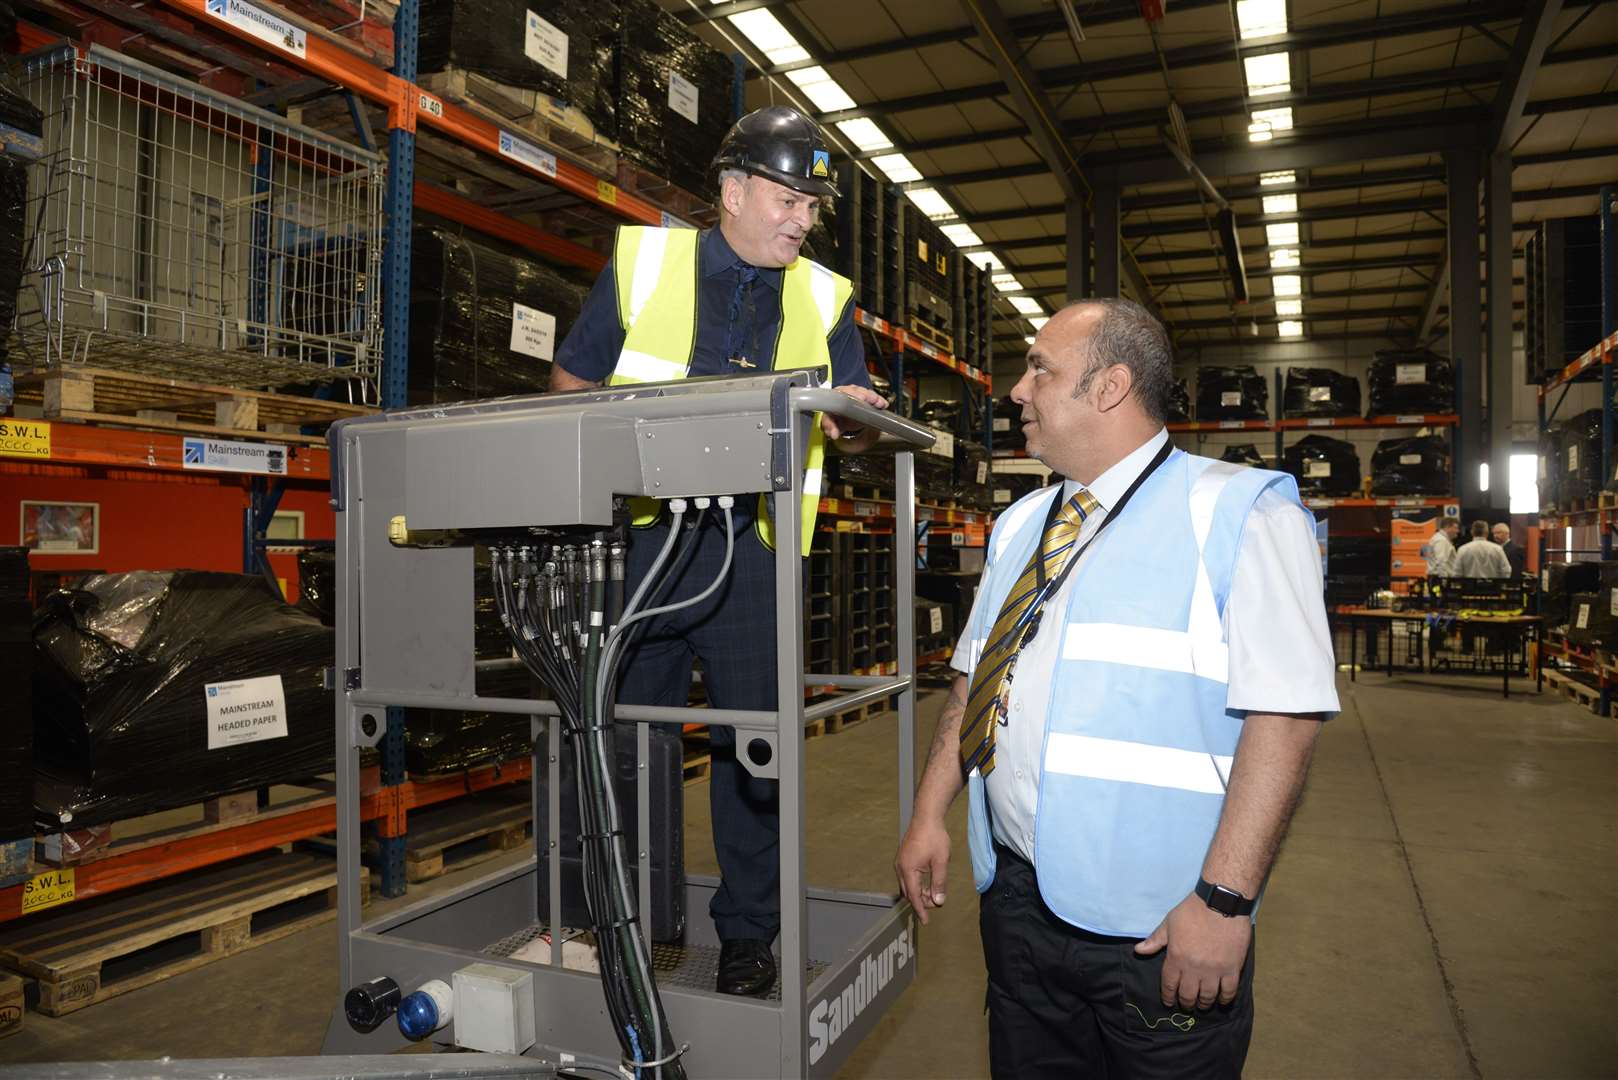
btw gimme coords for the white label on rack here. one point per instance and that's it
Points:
(1002, 495)
(864, 509)
(927, 350)
(224, 455)
(1409, 373)
(669, 221)
(1573, 458)
(1320, 393)
(1405, 502)
(683, 96)
(1313, 469)
(935, 620)
(1545, 581)
(533, 332)
(1230, 398)
(1584, 617)
(1321, 421)
(1231, 425)
(1410, 459)
(1615, 603)
(957, 537)
(527, 153)
(1543, 469)
(944, 444)
(545, 45)
(256, 22)
(1409, 419)
(1002, 423)
(983, 472)
(430, 105)
(244, 711)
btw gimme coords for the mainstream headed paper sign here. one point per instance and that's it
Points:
(220, 455)
(245, 711)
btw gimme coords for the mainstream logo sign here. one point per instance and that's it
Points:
(256, 22)
(220, 455)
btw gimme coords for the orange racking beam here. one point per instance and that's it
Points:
(93, 445)
(466, 212)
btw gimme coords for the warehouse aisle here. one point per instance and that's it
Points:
(1442, 909)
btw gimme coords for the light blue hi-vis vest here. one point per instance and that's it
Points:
(1138, 742)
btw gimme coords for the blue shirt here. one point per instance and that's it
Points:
(590, 350)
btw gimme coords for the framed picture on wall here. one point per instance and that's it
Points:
(61, 528)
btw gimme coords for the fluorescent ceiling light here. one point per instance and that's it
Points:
(1282, 234)
(1285, 176)
(1006, 283)
(1028, 338)
(1290, 328)
(1270, 73)
(864, 134)
(1259, 133)
(1281, 204)
(1038, 321)
(773, 40)
(1523, 482)
(1286, 285)
(1289, 307)
(1483, 476)
(896, 167)
(1277, 119)
(1282, 258)
(931, 203)
(1026, 305)
(984, 260)
(1261, 18)
(819, 87)
(961, 235)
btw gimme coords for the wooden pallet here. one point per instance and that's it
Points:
(464, 833)
(11, 1004)
(125, 398)
(84, 953)
(1573, 689)
(555, 125)
(690, 207)
(932, 335)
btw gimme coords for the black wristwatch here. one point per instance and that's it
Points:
(1225, 900)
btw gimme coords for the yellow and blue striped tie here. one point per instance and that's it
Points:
(991, 680)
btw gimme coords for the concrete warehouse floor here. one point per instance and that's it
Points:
(1443, 907)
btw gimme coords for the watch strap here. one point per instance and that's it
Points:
(1223, 899)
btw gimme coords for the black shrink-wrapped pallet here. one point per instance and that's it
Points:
(1559, 582)
(563, 48)
(1323, 466)
(1179, 410)
(1231, 393)
(1008, 425)
(1592, 621)
(674, 95)
(1243, 454)
(1312, 391)
(16, 700)
(1550, 467)
(1410, 382)
(1011, 486)
(1580, 454)
(154, 690)
(1418, 465)
(484, 321)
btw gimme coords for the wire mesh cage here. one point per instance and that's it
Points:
(173, 231)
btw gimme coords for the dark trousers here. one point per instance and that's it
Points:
(733, 634)
(1064, 1002)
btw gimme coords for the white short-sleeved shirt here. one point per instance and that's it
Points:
(1281, 658)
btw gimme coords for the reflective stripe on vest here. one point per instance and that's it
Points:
(656, 278)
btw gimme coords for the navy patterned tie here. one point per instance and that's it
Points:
(735, 332)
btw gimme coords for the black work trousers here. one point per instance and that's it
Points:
(733, 633)
(1064, 1002)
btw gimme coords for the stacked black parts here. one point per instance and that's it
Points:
(1312, 391)
(1410, 382)
(16, 701)
(17, 112)
(674, 95)
(127, 667)
(564, 48)
(1411, 466)
(484, 322)
(1323, 466)
(1231, 393)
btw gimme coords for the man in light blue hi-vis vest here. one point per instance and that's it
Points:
(679, 303)
(1142, 680)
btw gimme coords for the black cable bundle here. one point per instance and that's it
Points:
(1410, 382)
(563, 606)
(1411, 466)
(1232, 393)
(1243, 454)
(1323, 466)
(1312, 391)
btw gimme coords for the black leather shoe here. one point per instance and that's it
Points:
(746, 967)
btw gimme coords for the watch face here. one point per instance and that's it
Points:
(1224, 900)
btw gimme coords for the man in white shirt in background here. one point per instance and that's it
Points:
(1439, 550)
(1481, 557)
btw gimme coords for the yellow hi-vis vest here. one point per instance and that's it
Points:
(656, 274)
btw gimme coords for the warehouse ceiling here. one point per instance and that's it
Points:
(1345, 105)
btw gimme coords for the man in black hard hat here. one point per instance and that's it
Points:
(675, 303)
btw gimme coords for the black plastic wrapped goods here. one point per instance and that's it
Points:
(1410, 382)
(1558, 582)
(1179, 403)
(674, 101)
(1243, 454)
(1411, 466)
(940, 413)
(1008, 425)
(1590, 620)
(1323, 466)
(1011, 486)
(935, 475)
(1550, 467)
(484, 322)
(973, 474)
(16, 699)
(1232, 393)
(564, 48)
(1579, 451)
(866, 470)
(136, 676)
(1312, 391)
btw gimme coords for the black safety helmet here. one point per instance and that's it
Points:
(780, 144)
